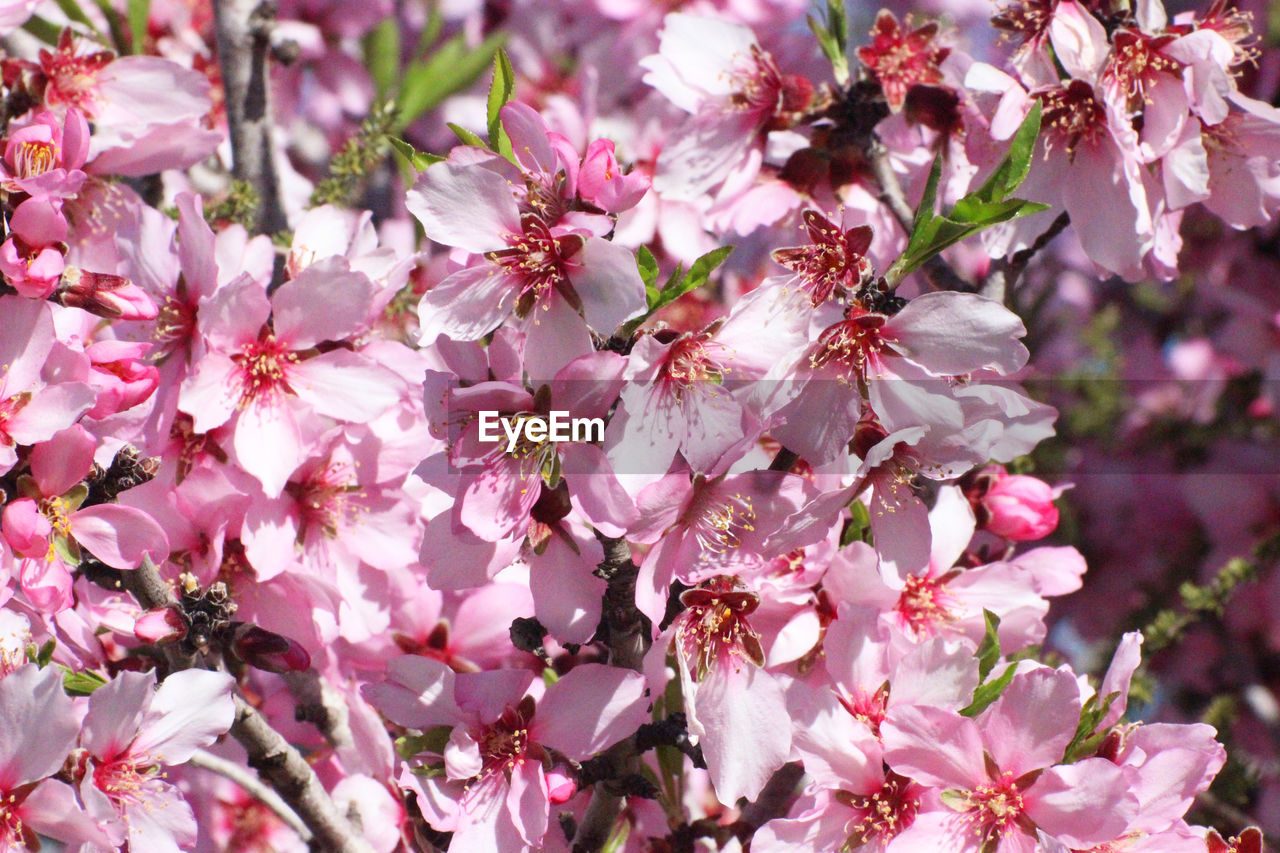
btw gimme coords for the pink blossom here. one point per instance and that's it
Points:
(131, 730)
(494, 792)
(982, 765)
(34, 745)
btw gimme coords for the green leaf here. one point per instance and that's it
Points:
(417, 160)
(500, 92)
(46, 653)
(115, 21)
(988, 205)
(857, 528)
(1086, 739)
(450, 69)
(467, 137)
(697, 276)
(1011, 171)
(46, 31)
(433, 740)
(71, 8)
(833, 37)
(648, 265)
(138, 13)
(617, 840)
(80, 683)
(382, 55)
(988, 653)
(989, 692)
(430, 32)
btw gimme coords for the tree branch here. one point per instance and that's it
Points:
(275, 759)
(253, 786)
(628, 634)
(244, 43)
(291, 776)
(1005, 272)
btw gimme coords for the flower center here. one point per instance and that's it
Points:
(325, 498)
(1136, 63)
(126, 781)
(881, 816)
(505, 743)
(718, 521)
(850, 344)
(924, 604)
(34, 158)
(264, 370)
(993, 810)
(714, 628)
(1072, 115)
(534, 260)
(691, 362)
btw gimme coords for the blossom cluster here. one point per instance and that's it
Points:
(270, 582)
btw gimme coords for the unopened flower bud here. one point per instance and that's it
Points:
(1020, 508)
(161, 625)
(602, 182)
(110, 296)
(120, 375)
(561, 785)
(268, 651)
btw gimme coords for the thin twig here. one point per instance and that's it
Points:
(253, 786)
(628, 634)
(275, 759)
(244, 44)
(284, 768)
(1005, 272)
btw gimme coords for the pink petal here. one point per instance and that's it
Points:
(467, 305)
(269, 444)
(934, 746)
(37, 725)
(119, 536)
(465, 206)
(527, 802)
(609, 285)
(346, 386)
(346, 297)
(418, 692)
(63, 461)
(1082, 804)
(589, 709)
(115, 711)
(950, 333)
(739, 715)
(1032, 722)
(191, 709)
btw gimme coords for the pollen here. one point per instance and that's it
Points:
(263, 370)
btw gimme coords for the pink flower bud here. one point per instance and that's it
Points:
(111, 296)
(561, 786)
(602, 183)
(162, 625)
(25, 528)
(123, 380)
(1020, 508)
(33, 273)
(268, 651)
